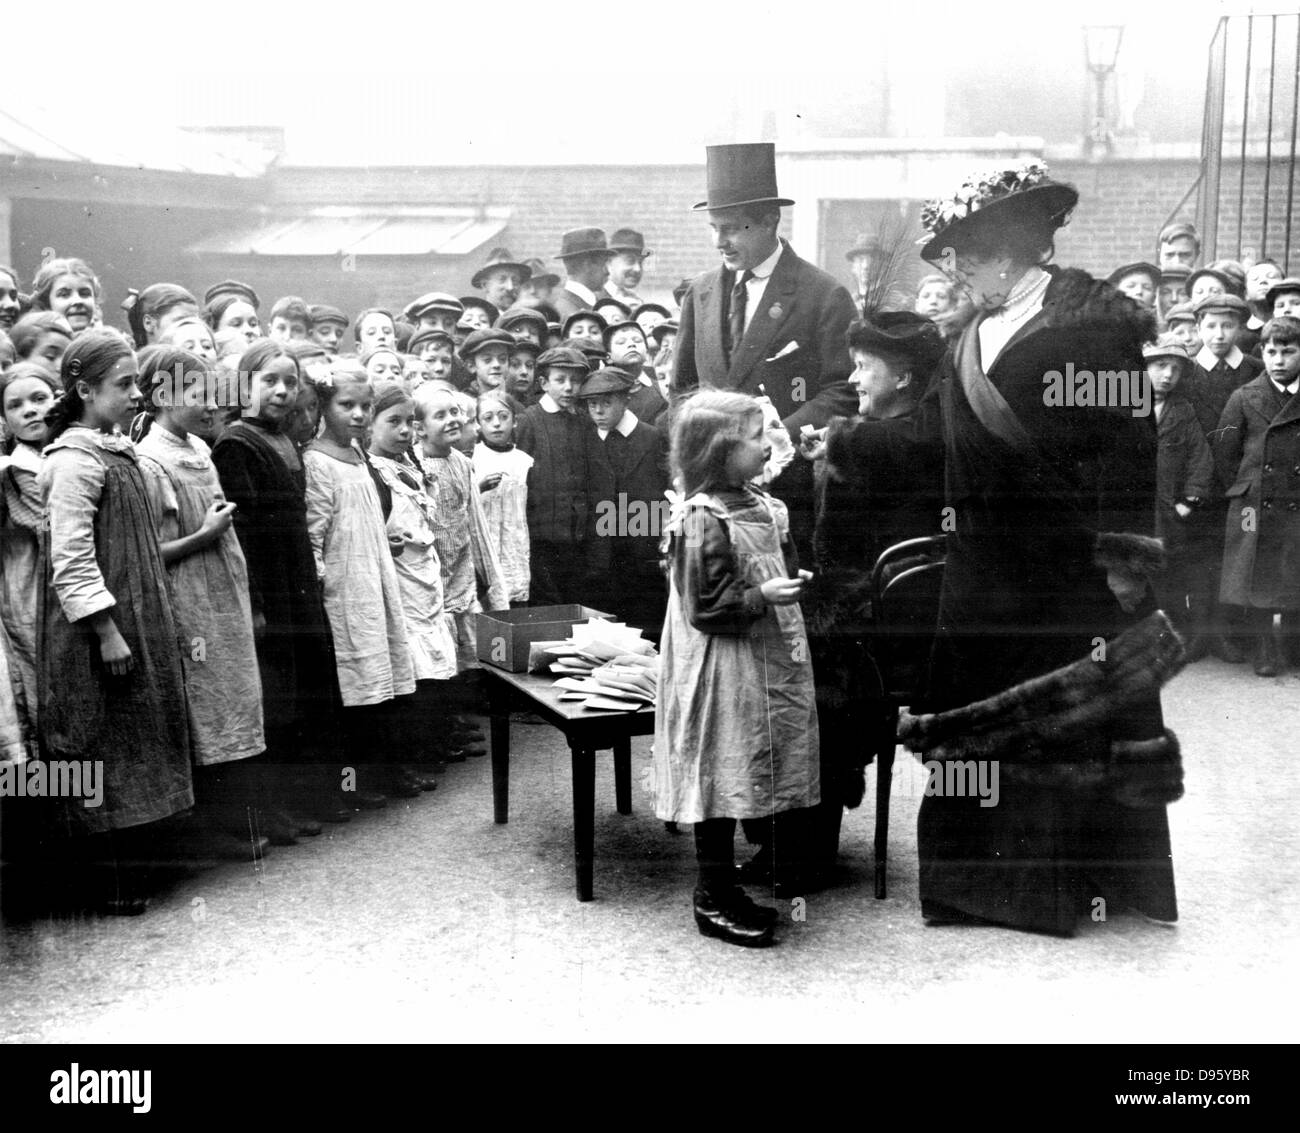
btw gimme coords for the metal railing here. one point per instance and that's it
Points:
(1248, 139)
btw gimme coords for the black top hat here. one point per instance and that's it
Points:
(628, 240)
(1142, 267)
(900, 333)
(742, 174)
(500, 258)
(583, 242)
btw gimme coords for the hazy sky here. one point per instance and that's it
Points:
(420, 83)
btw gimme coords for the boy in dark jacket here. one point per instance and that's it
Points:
(1220, 367)
(629, 477)
(1258, 453)
(556, 437)
(1184, 474)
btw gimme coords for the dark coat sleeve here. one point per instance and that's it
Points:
(1230, 440)
(833, 396)
(686, 377)
(1199, 475)
(236, 469)
(716, 596)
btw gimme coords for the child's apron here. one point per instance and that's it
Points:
(736, 723)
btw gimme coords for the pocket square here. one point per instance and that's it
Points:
(788, 348)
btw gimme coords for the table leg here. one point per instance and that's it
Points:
(584, 817)
(623, 775)
(499, 717)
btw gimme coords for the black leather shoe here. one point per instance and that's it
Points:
(278, 827)
(724, 924)
(425, 780)
(747, 910)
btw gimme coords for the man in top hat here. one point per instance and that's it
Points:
(501, 278)
(863, 259)
(586, 262)
(626, 266)
(539, 286)
(765, 321)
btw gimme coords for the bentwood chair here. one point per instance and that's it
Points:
(905, 586)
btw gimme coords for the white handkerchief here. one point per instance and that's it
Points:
(788, 348)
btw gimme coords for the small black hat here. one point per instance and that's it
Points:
(516, 315)
(1141, 267)
(481, 339)
(902, 333)
(607, 379)
(493, 313)
(628, 240)
(583, 315)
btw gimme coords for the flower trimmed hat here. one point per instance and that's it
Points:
(1000, 195)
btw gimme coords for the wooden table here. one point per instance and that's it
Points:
(587, 730)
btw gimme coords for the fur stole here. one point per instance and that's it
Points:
(1050, 731)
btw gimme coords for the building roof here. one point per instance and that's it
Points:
(371, 231)
(31, 133)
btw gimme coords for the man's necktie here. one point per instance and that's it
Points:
(736, 313)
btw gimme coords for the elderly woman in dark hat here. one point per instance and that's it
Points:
(876, 487)
(1048, 565)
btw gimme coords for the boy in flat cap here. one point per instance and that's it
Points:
(486, 353)
(559, 511)
(626, 266)
(629, 476)
(1258, 454)
(586, 261)
(1184, 479)
(326, 326)
(435, 310)
(525, 321)
(1219, 368)
(626, 345)
(522, 382)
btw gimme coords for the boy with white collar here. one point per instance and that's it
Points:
(629, 470)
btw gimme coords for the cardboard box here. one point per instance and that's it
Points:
(505, 635)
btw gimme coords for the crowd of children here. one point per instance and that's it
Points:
(243, 552)
(242, 555)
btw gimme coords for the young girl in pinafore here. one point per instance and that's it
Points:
(209, 581)
(112, 687)
(354, 561)
(736, 727)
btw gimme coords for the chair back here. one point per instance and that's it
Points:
(905, 586)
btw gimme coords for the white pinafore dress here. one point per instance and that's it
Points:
(736, 722)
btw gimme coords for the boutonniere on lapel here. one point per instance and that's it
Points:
(775, 311)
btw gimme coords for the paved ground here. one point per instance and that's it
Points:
(429, 922)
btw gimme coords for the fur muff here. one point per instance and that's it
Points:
(1050, 731)
(1130, 553)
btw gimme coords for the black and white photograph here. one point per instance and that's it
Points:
(672, 523)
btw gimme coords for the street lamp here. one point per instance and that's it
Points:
(1101, 50)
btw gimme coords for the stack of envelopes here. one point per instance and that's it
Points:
(606, 665)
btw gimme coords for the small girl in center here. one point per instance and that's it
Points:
(354, 561)
(736, 728)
